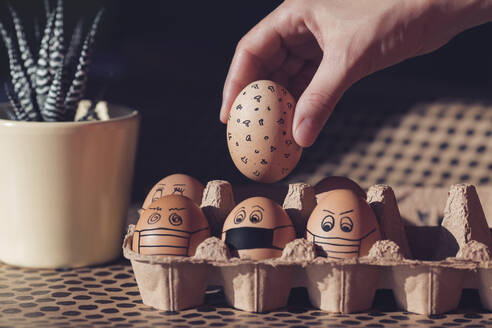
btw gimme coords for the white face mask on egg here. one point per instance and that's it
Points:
(175, 238)
(332, 247)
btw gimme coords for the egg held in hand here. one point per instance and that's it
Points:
(171, 225)
(342, 225)
(259, 132)
(175, 184)
(257, 228)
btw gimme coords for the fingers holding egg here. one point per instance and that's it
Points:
(259, 132)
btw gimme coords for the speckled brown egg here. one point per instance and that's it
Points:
(259, 132)
(334, 183)
(257, 228)
(171, 225)
(342, 225)
(175, 184)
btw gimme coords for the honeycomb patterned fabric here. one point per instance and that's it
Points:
(108, 296)
(430, 144)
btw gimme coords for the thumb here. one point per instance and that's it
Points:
(318, 101)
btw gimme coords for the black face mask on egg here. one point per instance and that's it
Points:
(251, 237)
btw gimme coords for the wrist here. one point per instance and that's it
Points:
(461, 15)
(441, 20)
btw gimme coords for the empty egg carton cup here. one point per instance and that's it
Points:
(426, 267)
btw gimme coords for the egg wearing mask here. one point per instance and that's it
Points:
(175, 184)
(342, 225)
(171, 225)
(257, 228)
(334, 183)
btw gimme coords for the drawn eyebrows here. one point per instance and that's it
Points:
(239, 210)
(258, 207)
(177, 208)
(161, 184)
(179, 184)
(346, 212)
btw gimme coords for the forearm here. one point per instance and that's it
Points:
(466, 13)
(454, 17)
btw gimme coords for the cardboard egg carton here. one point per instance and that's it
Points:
(426, 267)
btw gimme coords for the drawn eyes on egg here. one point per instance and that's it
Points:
(346, 224)
(240, 216)
(175, 219)
(153, 218)
(328, 223)
(256, 216)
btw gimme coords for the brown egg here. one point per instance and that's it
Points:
(342, 225)
(171, 225)
(259, 132)
(334, 183)
(257, 228)
(176, 184)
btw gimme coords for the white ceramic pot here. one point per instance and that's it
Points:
(65, 189)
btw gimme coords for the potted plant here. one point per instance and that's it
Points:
(66, 169)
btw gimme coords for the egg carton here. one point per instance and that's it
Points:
(426, 267)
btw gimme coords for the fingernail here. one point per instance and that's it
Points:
(222, 117)
(220, 112)
(306, 132)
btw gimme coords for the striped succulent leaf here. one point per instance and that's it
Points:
(19, 79)
(54, 109)
(26, 100)
(77, 87)
(74, 45)
(24, 49)
(17, 113)
(39, 89)
(7, 41)
(57, 47)
(47, 9)
(70, 61)
(43, 77)
(95, 23)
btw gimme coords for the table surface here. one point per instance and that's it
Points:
(108, 296)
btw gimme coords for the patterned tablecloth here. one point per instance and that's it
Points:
(426, 144)
(108, 296)
(432, 144)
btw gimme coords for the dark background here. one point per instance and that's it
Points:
(169, 59)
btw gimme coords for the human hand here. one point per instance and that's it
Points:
(318, 48)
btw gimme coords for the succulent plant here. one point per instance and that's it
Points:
(47, 87)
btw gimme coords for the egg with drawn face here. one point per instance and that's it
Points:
(175, 184)
(342, 225)
(335, 183)
(257, 228)
(171, 225)
(259, 132)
